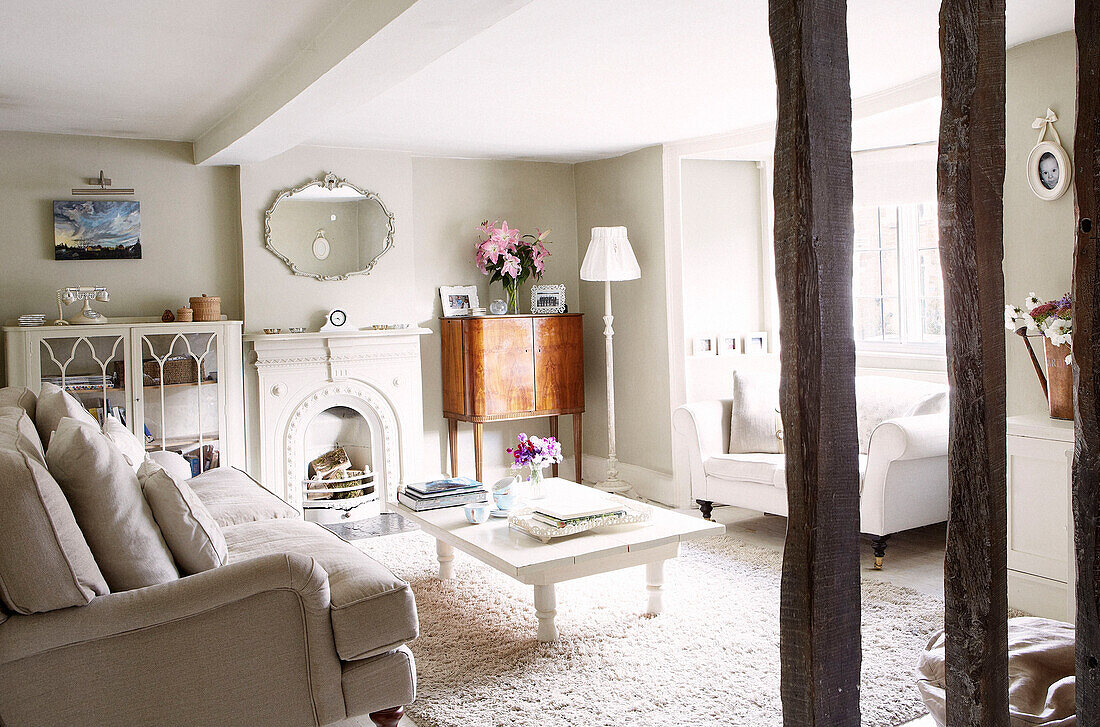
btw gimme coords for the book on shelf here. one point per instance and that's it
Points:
(417, 504)
(450, 484)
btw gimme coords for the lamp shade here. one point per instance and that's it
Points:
(610, 256)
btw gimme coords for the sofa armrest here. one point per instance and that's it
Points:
(184, 645)
(704, 429)
(905, 484)
(910, 438)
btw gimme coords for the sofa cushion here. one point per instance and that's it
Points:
(106, 498)
(879, 398)
(55, 404)
(372, 610)
(132, 448)
(21, 397)
(765, 469)
(24, 425)
(45, 562)
(233, 497)
(755, 422)
(196, 541)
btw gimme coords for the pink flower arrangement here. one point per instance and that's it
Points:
(535, 452)
(508, 256)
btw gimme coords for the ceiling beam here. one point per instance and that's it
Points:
(368, 48)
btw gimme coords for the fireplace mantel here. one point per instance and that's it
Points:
(376, 373)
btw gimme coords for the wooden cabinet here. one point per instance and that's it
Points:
(497, 368)
(1040, 540)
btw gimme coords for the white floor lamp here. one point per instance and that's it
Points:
(610, 257)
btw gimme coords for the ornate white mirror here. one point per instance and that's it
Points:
(328, 229)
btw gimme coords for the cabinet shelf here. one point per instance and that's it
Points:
(109, 389)
(183, 443)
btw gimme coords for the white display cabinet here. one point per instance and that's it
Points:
(177, 385)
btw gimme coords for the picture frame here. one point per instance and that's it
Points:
(97, 230)
(729, 344)
(546, 299)
(704, 346)
(756, 342)
(458, 300)
(1049, 170)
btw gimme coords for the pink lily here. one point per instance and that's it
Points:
(511, 266)
(492, 249)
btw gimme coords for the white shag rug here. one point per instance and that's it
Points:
(712, 657)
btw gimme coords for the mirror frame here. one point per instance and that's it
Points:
(330, 181)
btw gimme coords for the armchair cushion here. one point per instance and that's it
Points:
(55, 404)
(45, 562)
(754, 424)
(106, 498)
(196, 541)
(232, 497)
(21, 397)
(372, 610)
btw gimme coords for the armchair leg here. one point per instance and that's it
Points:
(878, 542)
(387, 717)
(705, 506)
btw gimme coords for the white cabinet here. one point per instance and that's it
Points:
(178, 385)
(1040, 537)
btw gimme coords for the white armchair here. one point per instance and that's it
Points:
(902, 461)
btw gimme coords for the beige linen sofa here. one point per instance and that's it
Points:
(298, 627)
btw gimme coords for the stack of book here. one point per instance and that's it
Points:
(451, 492)
(564, 514)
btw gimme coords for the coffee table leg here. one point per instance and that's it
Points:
(446, 556)
(655, 586)
(546, 609)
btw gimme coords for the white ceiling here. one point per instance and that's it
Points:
(555, 79)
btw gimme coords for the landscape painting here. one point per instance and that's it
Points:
(86, 230)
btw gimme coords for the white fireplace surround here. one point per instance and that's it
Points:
(374, 373)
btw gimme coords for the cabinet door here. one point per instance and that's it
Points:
(86, 361)
(559, 363)
(499, 365)
(180, 402)
(1038, 507)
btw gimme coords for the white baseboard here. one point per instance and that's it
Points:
(650, 484)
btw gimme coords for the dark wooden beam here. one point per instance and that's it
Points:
(1086, 356)
(820, 599)
(970, 186)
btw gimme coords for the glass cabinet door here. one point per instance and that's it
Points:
(91, 367)
(180, 400)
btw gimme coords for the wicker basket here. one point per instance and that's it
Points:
(207, 308)
(184, 315)
(177, 370)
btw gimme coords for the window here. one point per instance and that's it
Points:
(898, 286)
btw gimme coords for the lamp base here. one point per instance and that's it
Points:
(616, 486)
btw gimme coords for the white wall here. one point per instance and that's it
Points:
(190, 231)
(437, 204)
(628, 190)
(1038, 235)
(722, 276)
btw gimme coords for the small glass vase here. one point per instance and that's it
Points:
(537, 491)
(511, 291)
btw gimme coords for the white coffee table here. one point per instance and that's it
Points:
(542, 565)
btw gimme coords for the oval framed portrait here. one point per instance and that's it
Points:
(1048, 170)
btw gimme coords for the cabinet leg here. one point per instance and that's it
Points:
(577, 446)
(554, 434)
(546, 604)
(445, 554)
(452, 441)
(478, 427)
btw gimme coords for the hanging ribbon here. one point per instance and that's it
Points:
(1043, 123)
